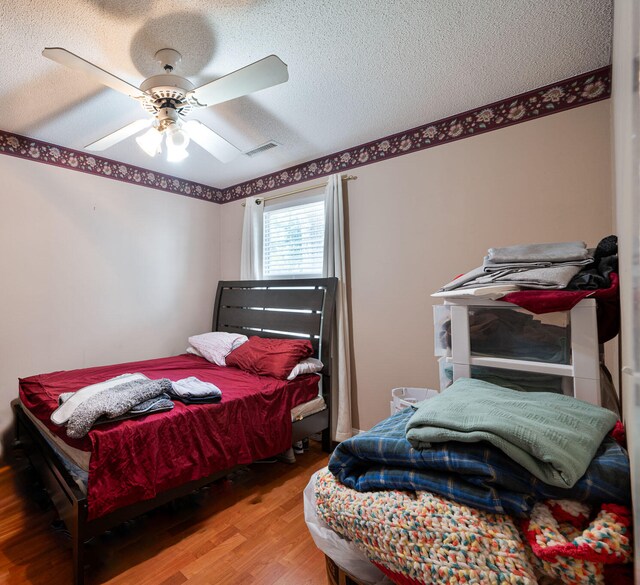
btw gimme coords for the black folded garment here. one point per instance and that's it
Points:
(597, 274)
(197, 400)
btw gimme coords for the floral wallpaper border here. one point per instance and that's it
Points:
(59, 156)
(570, 93)
(557, 97)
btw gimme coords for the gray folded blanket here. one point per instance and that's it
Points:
(553, 436)
(489, 266)
(551, 277)
(113, 403)
(476, 278)
(550, 253)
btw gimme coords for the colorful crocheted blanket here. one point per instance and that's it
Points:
(566, 546)
(419, 538)
(425, 538)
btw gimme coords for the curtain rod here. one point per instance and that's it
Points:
(301, 190)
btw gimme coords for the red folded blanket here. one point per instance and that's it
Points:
(549, 301)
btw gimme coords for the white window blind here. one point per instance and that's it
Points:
(294, 240)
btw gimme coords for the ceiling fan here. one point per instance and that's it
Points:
(169, 98)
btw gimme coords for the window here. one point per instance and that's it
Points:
(294, 239)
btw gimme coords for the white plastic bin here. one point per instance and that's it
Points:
(401, 398)
(442, 330)
(514, 379)
(508, 332)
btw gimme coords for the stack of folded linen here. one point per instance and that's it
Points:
(192, 390)
(531, 266)
(540, 446)
(552, 436)
(494, 450)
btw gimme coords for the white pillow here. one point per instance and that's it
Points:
(308, 366)
(217, 345)
(194, 351)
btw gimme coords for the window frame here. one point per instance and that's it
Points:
(290, 202)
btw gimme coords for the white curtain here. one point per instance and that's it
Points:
(335, 265)
(252, 243)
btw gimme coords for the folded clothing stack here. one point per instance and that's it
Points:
(535, 266)
(124, 396)
(552, 436)
(158, 403)
(553, 447)
(529, 256)
(191, 390)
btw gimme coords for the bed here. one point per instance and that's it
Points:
(188, 447)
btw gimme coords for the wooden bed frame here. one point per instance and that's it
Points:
(337, 575)
(267, 308)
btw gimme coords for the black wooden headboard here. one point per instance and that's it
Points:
(291, 309)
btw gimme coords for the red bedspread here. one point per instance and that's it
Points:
(136, 459)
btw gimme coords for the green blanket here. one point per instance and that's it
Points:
(551, 435)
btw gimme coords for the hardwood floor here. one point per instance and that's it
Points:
(243, 530)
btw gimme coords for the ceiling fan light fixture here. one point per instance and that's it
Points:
(150, 141)
(177, 142)
(176, 137)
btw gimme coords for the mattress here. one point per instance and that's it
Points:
(136, 459)
(77, 461)
(308, 408)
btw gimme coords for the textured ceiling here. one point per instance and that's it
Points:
(358, 70)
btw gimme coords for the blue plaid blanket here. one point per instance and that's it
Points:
(476, 474)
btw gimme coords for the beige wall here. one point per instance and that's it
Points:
(417, 221)
(95, 271)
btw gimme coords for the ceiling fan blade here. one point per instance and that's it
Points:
(265, 73)
(213, 143)
(72, 61)
(119, 135)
